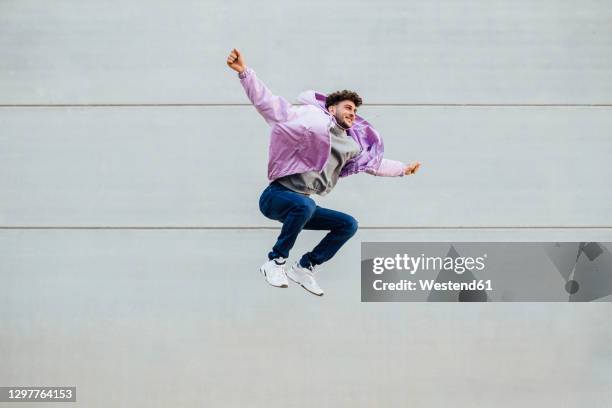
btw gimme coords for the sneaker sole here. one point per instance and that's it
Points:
(266, 276)
(305, 288)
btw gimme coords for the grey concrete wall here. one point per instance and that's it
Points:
(115, 123)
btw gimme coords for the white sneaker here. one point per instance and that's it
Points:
(275, 273)
(305, 278)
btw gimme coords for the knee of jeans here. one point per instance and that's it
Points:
(352, 225)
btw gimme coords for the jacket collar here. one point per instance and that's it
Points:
(314, 98)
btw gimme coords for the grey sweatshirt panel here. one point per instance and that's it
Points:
(343, 148)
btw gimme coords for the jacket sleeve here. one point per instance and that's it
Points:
(389, 168)
(273, 108)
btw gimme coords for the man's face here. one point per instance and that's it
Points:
(344, 112)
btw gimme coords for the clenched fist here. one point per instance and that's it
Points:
(235, 61)
(412, 168)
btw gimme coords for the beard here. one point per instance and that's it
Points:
(340, 120)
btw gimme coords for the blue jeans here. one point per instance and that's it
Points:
(297, 212)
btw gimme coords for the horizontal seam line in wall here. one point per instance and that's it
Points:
(213, 228)
(171, 105)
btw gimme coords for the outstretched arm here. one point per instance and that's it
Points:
(394, 168)
(273, 108)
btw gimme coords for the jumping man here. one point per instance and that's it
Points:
(311, 146)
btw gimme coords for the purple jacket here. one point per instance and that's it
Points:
(300, 140)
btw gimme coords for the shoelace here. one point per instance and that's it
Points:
(311, 271)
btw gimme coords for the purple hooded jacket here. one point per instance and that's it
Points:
(300, 140)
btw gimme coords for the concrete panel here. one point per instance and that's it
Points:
(83, 52)
(199, 166)
(183, 318)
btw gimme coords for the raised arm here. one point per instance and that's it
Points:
(273, 108)
(394, 168)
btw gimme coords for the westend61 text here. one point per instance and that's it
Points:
(431, 284)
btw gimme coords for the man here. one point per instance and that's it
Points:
(311, 146)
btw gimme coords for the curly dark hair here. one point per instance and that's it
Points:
(343, 95)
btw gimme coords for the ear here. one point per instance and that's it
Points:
(332, 109)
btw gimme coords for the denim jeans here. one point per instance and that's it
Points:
(297, 212)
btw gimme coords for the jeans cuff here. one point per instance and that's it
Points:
(305, 261)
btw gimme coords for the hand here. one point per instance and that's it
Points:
(412, 168)
(235, 61)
